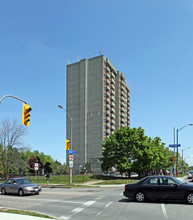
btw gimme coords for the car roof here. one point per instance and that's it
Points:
(17, 178)
(160, 176)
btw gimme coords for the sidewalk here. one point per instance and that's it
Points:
(9, 216)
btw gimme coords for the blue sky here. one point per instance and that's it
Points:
(150, 41)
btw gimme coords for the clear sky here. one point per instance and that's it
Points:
(150, 42)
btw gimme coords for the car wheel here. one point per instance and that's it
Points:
(3, 191)
(20, 192)
(189, 197)
(140, 196)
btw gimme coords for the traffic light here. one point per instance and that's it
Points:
(67, 145)
(173, 159)
(25, 114)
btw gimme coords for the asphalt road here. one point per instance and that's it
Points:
(96, 203)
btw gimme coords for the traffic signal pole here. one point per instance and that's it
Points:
(25, 111)
(12, 97)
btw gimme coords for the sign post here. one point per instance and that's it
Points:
(36, 167)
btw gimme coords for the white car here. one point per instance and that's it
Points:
(190, 174)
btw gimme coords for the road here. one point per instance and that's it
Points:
(96, 203)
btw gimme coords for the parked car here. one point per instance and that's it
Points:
(20, 186)
(190, 174)
(159, 188)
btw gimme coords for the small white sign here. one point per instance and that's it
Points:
(36, 166)
(71, 163)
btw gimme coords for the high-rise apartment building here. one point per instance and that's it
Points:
(98, 101)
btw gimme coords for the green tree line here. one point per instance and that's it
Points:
(130, 150)
(14, 157)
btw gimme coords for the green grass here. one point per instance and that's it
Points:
(63, 179)
(21, 212)
(117, 181)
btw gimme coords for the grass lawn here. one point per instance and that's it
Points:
(21, 212)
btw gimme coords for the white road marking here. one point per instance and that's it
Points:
(34, 200)
(77, 210)
(164, 211)
(89, 203)
(65, 217)
(108, 204)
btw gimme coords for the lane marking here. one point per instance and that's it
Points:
(77, 210)
(164, 211)
(89, 203)
(108, 204)
(44, 200)
(64, 217)
(70, 194)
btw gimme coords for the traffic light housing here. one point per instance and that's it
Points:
(26, 114)
(67, 145)
(173, 159)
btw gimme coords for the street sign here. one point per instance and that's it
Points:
(71, 163)
(174, 145)
(71, 157)
(36, 166)
(71, 151)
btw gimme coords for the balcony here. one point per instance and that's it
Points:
(108, 100)
(108, 88)
(108, 131)
(108, 119)
(108, 113)
(108, 106)
(113, 92)
(113, 104)
(113, 110)
(108, 94)
(113, 98)
(113, 87)
(112, 122)
(108, 75)
(108, 82)
(108, 125)
(113, 116)
(112, 128)
(112, 81)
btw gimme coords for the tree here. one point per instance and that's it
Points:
(11, 133)
(129, 149)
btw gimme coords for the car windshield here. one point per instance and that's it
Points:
(178, 181)
(23, 181)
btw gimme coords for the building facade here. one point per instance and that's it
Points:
(98, 101)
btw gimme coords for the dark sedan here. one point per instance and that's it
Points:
(19, 186)
(159, 188)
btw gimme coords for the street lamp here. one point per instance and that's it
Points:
(177, 144)
(70, 177)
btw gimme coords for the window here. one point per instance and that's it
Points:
(8, 181)
(151, 181)
(166, 181)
